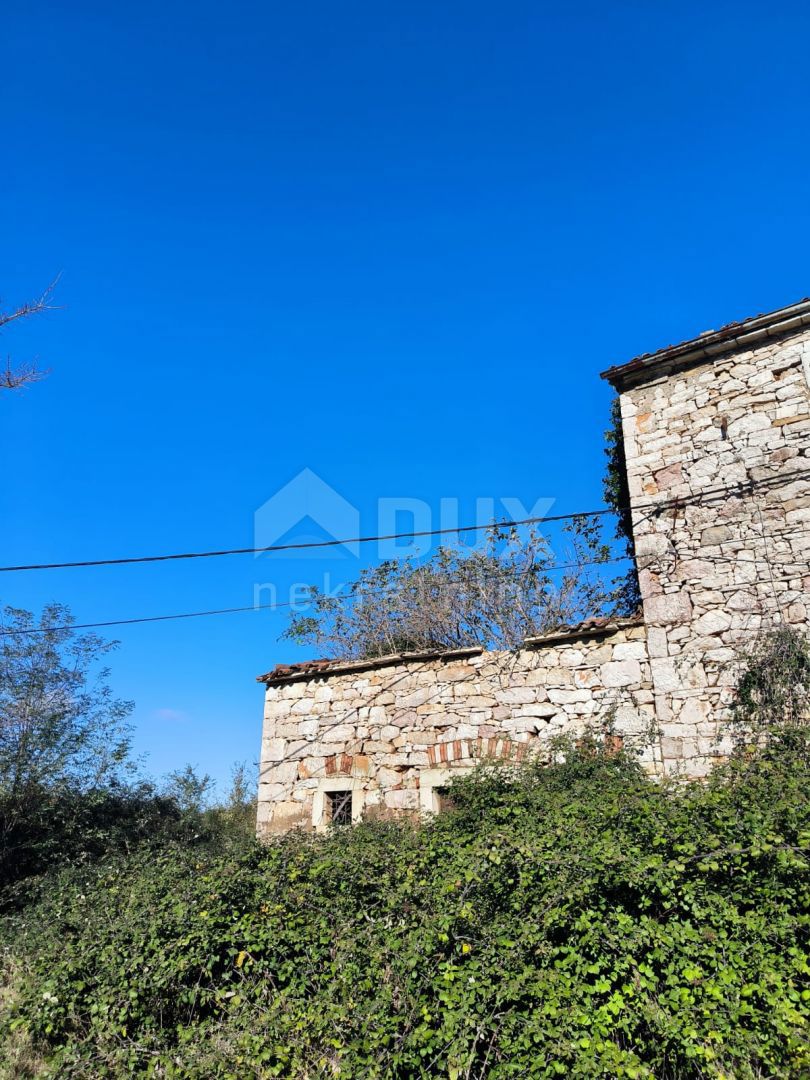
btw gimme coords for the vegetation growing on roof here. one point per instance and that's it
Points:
(494, 596)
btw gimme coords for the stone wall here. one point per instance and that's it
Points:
(393, 730)
(716, 439)
(717, 462)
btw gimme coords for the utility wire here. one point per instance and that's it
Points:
(352, 593)
(642, 562)
(654, 507)
(355, 592)
(302, 546)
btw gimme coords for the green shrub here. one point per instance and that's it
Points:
(72, 826)
(76, 828)
(772, 701)
(577, 920)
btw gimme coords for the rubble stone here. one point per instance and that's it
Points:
(720, 499)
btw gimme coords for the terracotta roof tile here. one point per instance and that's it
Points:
(306, 668)
(283, 671)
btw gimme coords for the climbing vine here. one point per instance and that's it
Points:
(772, 703)
(617, 496)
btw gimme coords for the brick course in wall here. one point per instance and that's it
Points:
(385, 725)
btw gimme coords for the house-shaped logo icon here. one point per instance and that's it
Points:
(307, 511)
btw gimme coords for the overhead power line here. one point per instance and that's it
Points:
(144, 619)
(353, 593)
(654, 507)
(308, 544)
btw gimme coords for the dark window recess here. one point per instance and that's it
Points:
(339, 807)
(444, 800)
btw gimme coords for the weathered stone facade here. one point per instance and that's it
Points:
(716, 445)
(393, 730)
(716, 441)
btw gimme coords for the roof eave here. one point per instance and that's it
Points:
(322, 669)
(709, 346)
(344, 667)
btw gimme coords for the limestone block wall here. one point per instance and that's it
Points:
(393, 731)
(717, 445)
(717, 463)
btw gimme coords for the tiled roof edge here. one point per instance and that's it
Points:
(310, 669)
(314, 669)
(588, 628)
(711, 344)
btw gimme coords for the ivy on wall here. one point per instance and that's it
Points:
(617, 496)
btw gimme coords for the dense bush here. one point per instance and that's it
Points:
(75, 828)
(577, 920)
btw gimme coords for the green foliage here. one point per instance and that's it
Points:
(617, 496)
(493, 596)
(773, 689)
(59, 721)
(67, 790)
(189, 790)
(77, 828)
(577, 920)
(237, 814)
(64, 746)
(72, 827)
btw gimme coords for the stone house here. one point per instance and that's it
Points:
(717, 455)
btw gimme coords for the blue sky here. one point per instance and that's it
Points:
(391, 243)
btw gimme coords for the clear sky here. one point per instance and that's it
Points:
(391, 243)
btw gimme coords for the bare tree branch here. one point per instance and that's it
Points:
(14, 377)
(494, 596)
